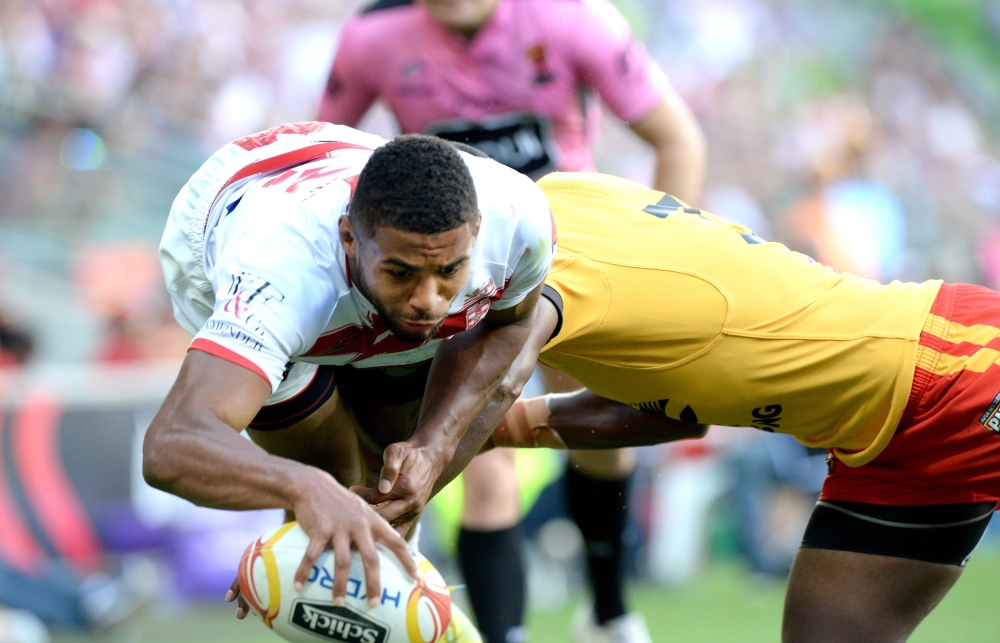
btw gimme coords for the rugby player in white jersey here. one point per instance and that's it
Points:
(519, 79)
(320, 279)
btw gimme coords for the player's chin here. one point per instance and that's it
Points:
(416, 332)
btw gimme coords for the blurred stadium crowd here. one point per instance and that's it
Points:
(845, 129)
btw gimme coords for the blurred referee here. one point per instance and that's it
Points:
(516, 79)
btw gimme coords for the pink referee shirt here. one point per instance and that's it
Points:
(518, 90)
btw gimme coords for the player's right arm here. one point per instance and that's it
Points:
(349, 90)
(274, 292)
(193, 449)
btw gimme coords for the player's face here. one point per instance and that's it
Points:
(411, 278)
(464, 16)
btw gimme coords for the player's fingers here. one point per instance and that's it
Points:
(316, 546)
(341, 568)
(234, 590)
(242, 608)
(392, 457)
(397, 545)
(369, 556)
(393, 510)
(371, 495)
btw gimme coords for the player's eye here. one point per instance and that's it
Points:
(400, 274)
(449, 271)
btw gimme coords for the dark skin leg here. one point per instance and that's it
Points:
(345, 441)
(382, 426)
(326, 440)
(848, 597)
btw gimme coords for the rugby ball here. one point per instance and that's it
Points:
(409, 611)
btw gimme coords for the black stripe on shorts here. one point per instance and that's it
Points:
(944, 534)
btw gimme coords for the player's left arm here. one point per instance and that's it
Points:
(611, 61)
(467, 380)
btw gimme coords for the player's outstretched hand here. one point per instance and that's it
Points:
(407, 481)
(334, 518)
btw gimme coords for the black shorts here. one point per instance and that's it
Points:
(358, 387)
(944, 534)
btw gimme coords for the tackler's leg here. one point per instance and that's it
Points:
(871, 573)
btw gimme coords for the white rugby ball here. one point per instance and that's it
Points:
(409, 612)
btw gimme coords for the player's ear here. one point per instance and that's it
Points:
(348, 238)
(475, 226)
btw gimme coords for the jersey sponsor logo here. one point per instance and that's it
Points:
(766, 418)
(226, 329)
(245, 289)
(656, 407)
(659, 407)
(523, 142)
(246, 293)
(341, 624)
(991, 419)
(292, 179)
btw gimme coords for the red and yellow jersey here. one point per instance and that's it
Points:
(672, 310)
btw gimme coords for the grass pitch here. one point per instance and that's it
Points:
(724, 605)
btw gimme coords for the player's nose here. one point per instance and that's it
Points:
(425, 297)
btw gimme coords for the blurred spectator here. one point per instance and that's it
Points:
(775, 482)
(51, 561)
(16, 345)
(120, 342)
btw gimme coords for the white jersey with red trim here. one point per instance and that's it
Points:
(254, 265)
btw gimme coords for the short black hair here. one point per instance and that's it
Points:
(415, 183)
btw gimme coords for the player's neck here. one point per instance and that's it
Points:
(469, 28)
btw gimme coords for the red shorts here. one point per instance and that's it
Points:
(946, 449)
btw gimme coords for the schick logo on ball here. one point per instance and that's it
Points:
(341, 624)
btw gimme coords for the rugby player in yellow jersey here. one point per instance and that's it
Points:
(691, 321)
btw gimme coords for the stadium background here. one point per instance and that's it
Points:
(863, 133)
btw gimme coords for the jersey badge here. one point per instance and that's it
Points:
(543, 75)
(991, 419)
(476, 312)
(487, 289)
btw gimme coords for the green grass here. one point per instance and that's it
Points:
(723, 605)
(726, 605)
